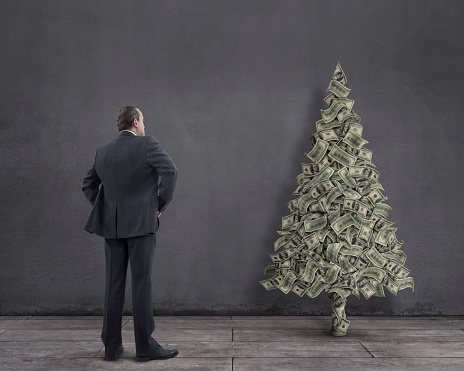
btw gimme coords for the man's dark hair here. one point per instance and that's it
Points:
(126, 116)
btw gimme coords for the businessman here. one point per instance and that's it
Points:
(129, 185)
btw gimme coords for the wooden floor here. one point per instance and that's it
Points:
(240, 343)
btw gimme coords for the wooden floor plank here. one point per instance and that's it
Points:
(122, 364)
(14, 349)
(261, 349)
(127, 335)
(382, 323)
(452, 318)
(6, 324)
(358, 364)
(15, 318)
(74, 318)
(240, 342)
(403, 349)
(325, 322)
(167, 318)
(185, 324)
(237, 323)
(322, 322)
(192, 318)
(55, 324)
(406, 318)
(418, 335)
(316, 323)
(259, 318)
(455, 321)
(187, 334)
(51, 335)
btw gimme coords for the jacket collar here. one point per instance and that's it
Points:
(126, 133)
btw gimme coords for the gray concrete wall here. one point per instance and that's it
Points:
(232, 91)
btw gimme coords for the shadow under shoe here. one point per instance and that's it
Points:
(159, 353)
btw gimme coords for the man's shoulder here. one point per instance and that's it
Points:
(150, 138)
(140, 140)
(131, 137)
(150, 141)
(137, 138)
(104, 147)
(145, 140)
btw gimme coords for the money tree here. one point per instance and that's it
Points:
(337, 238)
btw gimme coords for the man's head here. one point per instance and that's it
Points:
(131, 118)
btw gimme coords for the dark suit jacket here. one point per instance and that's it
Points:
(131, 180)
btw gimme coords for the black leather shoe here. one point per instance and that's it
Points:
(115, 357)
(159, 353)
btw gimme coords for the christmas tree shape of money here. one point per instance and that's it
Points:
(337, 238)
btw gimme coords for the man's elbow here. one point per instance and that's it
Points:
(90, 194)
(173, 169)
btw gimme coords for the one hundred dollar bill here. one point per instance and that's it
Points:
(330, 275)
(332, 195)
(354, 140)
(344, 115)
(304, 202)
(310, 271)
(364, 172)
(329, 99)
(342, 223)
(390, 285)
(316, 288)
(315, 168)
(361, 153)
(373, 272)
(270, 269)
(346, 178)
(376, 196)
(405, 283)
(288, 281)
(348, 192)
(268, 284)
(321, 188)
(300, 287)
(380, 222)
(319, 150)
(356, 206)
(364, 235)
(339, 75)
(376, 258)
(330, 113)
(338, 89)
(341, 156)
(281, 242)
(322, 125)
(323, 175)
(289, 220)
(283, 255)
(328, 135)
(382, 209)
(366, 288)
(333, 251)
(315, 224)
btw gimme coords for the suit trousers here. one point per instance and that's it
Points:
(139, 252)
